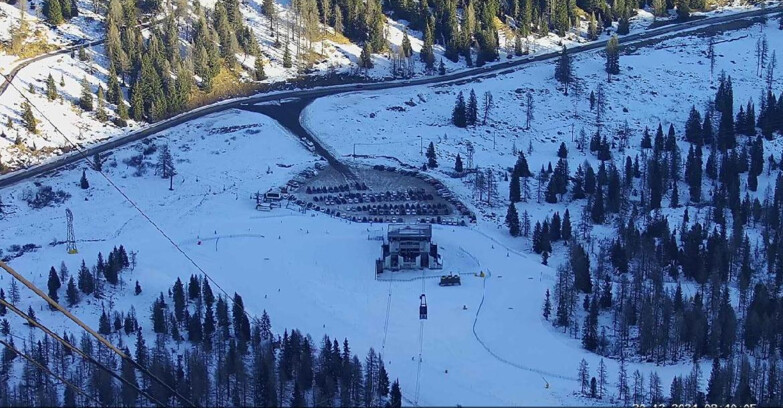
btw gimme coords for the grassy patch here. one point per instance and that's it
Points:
(225, 85)
(336, 38)
(504, 28)
(30, 47)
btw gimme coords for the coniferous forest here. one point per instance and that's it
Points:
(693, 268)
(203, 345)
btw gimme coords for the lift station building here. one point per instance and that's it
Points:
(408, 246)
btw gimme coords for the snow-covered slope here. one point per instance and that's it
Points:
(484, 342)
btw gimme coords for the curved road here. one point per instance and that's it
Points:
(10, 76)
(7, 78)
(487, 70)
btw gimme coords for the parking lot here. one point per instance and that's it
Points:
(382, 194)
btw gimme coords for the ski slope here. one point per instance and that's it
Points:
(309, 271)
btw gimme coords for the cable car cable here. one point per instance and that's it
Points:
(49, 372)
(92, 332)
(77, 350)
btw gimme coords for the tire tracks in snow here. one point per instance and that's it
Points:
(542, 373)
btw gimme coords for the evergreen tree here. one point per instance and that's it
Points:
(471, 113)
(52, 9)
(166, 163)
(432, 159)
(396, 395)
(459, 115)
(427, 55)
(100, 113)
(563, 69)
(514, 189)
(693, 131)
(51, 88)
(612, 57)
(458, 164)
(365, 59)
(512, 221)
(53, 284)
(547, 306)
(83, 182)
(580, 265)
(104, 326)
(28, 119)
(85, 101)
(122, 109)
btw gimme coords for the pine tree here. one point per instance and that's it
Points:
(512, 221)
(53, 284)
(514, 189)
(178, 292)
(471, 113)
(432, 159)
(83, 182)
(28, 119)
(427, 55)
(166, 163)
(365, 58)
(104, 326)
(100, 113)
(122, 110)
(459, 114)
(579, 262)
(85, 101)
(52, 9)
(71, 293)
(693, 131)
(51, 88)
(612, 57)
(396, 395)
(137, 102)
(547, 306)
(458, 164)
(563, 70)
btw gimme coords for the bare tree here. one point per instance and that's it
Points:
(528, 109)
(773, 62)
(487, 105)
(711, 56)
(491, 185)
(600, 107)
(479, 184)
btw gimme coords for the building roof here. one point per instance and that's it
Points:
(410, 231)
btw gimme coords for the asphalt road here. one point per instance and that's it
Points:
(487, 70)
(11, 75)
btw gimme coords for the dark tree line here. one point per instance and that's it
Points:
(229, 360)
